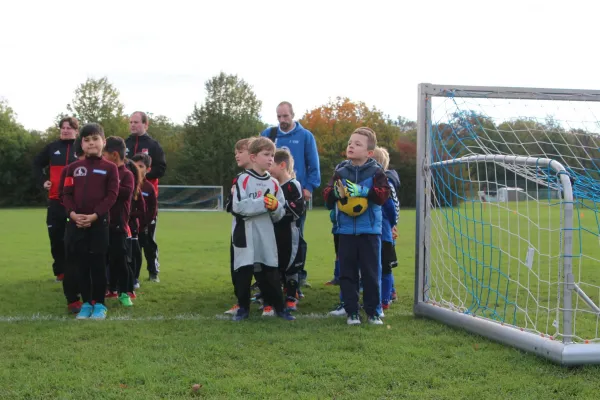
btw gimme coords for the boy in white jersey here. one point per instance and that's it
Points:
(257, 203)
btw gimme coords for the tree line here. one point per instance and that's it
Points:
(199, 151)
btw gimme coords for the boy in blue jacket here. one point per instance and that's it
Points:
(360, 235)
(390, 212)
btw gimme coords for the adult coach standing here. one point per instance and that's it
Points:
(301, 144)
(56, 156)
(140, 142)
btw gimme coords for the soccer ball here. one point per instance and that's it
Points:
(352, 206)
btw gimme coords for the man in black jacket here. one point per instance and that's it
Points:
(140, 142)
(56, 156)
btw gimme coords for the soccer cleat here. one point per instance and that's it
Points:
(385, 306)
(153, 278)
(132, 295)
(381, 314)
(74, 307)
(241, 314)
(136, 284)
(375, 320)
(60, 277)
(111, 294)
(85, 312)
(338, 311)
(290, 304)
(286, 315)
(304, 283)
(257, 298)
(233, 310)
(125, 300)
(100, 311)
(394, 296)
(300, 295)
(353, 319)
(333, 282)
(268, 311)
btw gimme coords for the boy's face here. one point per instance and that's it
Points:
(112, 157)
(263, 160)
(142, 167)
(276, 170)
(357, 148)
(92, 145)
(242, 158)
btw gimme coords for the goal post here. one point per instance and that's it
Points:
(190, 198)
(508, 225)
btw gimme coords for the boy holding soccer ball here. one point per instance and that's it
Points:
(358, 189)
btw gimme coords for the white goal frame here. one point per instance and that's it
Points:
(220, 201)
(563, 351)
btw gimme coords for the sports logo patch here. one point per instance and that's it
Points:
(144, 151)
(69, 181)
(57, 152)
(80, 171)
(99, 171)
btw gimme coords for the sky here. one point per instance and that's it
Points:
(160, 54)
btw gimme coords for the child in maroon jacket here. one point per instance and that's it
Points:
(121, 276)
(90, 189)
(144, 162)
(138, 211)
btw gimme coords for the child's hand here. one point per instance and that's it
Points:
(47, 185)
(355, 190)
(271, 202)
(339, 190)
(79, 220)
(395, 232)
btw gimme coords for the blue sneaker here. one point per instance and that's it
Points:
(241, 314)
(286, 315)
(99, 311)
(85, 312)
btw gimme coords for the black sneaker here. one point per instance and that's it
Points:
(286, 315)
(154, 278)
(241, 314)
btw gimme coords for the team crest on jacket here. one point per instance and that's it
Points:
(80, 171)
(144, 151)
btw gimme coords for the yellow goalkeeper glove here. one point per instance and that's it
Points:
(271, 202)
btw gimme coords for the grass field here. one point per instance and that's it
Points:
(175, 337)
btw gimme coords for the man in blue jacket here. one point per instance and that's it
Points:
(301, 144)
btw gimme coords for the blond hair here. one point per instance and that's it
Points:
(282, 155)
(381, 155)
(259, 144)
(369, 134)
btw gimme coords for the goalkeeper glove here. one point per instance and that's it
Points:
(355, 190)
(338, 189)
(271, 202)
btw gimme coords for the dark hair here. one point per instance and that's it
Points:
(91, 129)
(143, 115)
(287, 103)
(115, 143)
(73, 123)
(137, 177)
(77, 147)
(145, 158)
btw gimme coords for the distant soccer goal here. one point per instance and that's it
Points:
(190, 198)
(508, 223)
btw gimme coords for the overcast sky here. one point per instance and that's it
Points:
(159, 54)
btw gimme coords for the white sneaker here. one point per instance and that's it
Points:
(268, 311)
(233, 310)
(339, 311)
(381, 314)
(375, 320)
(353, 319)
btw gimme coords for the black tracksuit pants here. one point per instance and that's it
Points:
(56, 220)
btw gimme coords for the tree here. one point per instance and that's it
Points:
(17, 149)
(229, 113)
(170, 136)
(97, 100)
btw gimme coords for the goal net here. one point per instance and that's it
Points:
(190, 198)
(508, 228)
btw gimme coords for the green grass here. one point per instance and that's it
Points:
(148, 353)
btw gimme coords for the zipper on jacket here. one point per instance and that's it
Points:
(137, 140)
(85, 186)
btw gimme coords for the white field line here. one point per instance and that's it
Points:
(179, 317)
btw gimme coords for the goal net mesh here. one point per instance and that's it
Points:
(496, 229)
(190, 198)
